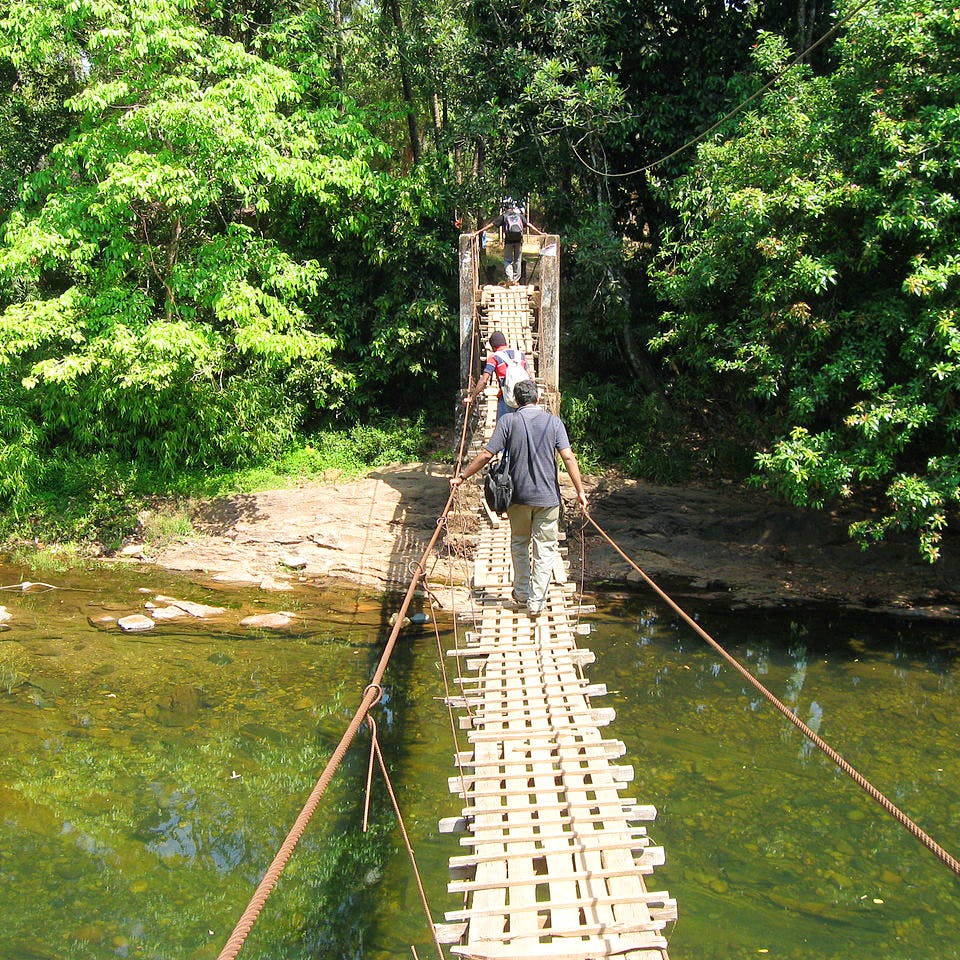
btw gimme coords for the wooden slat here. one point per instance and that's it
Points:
(556, 871)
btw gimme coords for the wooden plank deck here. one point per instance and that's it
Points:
(557, 865)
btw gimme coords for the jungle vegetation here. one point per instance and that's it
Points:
(228, 225)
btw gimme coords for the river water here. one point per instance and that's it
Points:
(147, 779)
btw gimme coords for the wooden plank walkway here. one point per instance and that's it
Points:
(557, 864)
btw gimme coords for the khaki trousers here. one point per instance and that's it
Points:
(533, 549)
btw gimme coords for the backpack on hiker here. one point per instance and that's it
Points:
(498, 485)
(515, 373)
(512, 225)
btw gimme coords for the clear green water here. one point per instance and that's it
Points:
(146, 780)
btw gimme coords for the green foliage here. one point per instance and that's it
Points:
(205, 254)
(603, 417)
(662, 441)
(814, 271)
(97, 498)
(168, 524)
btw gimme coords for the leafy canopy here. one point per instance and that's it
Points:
(814, 271)
(153, 301)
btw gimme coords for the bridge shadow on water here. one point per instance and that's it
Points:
(346, 913)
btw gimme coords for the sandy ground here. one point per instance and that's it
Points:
(735, 547)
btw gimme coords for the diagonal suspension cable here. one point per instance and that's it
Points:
(938, 851)
(371, 695)
(732, 113)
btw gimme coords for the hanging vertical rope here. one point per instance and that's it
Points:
(375, 747)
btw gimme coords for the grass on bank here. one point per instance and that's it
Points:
(79, 503)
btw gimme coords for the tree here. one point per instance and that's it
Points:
(151, 306)
(814, 273)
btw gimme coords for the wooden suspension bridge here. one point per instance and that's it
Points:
(558, 860)
(557, 865)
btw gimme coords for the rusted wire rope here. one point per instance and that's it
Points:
(367, 794)
(375, 748)
(918, 832)
(799, 58)
(370, 696)
(446, 689)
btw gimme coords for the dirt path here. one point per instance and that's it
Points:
(736, 547)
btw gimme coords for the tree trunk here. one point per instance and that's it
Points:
(639, 363)
(806, 19)
(437, 122)
(405, 83)
(338, 75)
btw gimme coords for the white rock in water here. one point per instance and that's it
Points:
(132, 550)
(168, 613)
(271, 621)
(293, 562)
(268, 583)
(135, 623)
(5, 615)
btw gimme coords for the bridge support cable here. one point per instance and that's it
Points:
(938, 851)
(371, 695)
(375, 750)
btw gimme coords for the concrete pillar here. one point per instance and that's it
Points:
(468, 296)
(549, 367)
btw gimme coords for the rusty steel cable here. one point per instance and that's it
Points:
(446, 688)
(371, 695)
(948, 859)
(739, 108)
(375, 748)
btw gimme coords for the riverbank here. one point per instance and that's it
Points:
(726, 544)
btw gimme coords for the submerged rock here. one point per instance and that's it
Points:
(269, 583)
(238, 577)
(168, 613)
(135, 623)
(102, 621)
(199, 610)
(269, 621)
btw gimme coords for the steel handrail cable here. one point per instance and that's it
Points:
(799, 58)
(375, 748)
(370, 696)
(938, 851)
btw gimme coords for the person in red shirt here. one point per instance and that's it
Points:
(497, 365)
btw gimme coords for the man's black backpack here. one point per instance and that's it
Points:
(512, 225)
(498, 485)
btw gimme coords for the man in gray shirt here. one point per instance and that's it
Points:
(532, 437)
